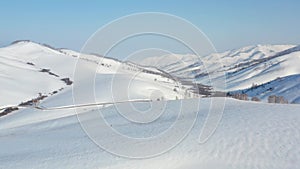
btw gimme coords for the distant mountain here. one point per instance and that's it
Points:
(245, 67)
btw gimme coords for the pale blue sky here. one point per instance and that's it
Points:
(228, 24)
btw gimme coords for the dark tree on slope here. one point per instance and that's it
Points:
(240, 96)
(277, 99)
(256, 99)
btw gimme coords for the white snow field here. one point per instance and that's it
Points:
(250, 135)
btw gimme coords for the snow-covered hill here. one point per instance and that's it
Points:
(29, 68)
(23, 76)
(245, 67)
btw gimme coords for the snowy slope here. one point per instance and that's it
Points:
(263, 70)
(28, 68)
(42, 56)
(288, 87)
(138, 82)
(21, 81)
(250, 135)
(243, 67)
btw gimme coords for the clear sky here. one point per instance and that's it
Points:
(228, 24)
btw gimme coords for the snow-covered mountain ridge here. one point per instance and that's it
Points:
(245, 67)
